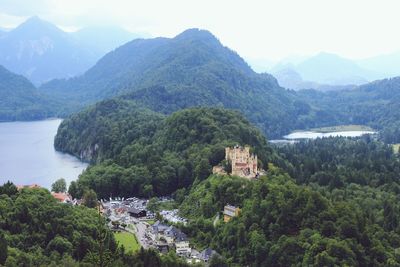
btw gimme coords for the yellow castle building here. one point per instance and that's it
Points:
(230, 212)
(243, 163)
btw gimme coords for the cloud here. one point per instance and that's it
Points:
(255, 28)
(24, 8)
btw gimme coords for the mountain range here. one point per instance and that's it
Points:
(41, 51)
(191, 69)
(327, 71)
(195, 69)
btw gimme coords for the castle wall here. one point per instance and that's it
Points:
(243, 164)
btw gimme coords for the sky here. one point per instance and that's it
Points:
(256, 29)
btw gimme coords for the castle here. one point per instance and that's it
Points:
(243, 163)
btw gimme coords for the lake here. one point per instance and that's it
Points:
(313, 134)
(27, 155)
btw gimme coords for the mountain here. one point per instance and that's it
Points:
(327, 68)
(41, 52)
(104, 39)
(20, 100)
(191, 69)
(387, 65)
(289, 78)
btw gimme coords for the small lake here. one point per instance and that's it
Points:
(27, 155)
(313, 135)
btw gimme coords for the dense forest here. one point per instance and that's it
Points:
(142, 153)
(37, 230)
(20, 100)
(323, 202)
(339, 209)
(335, 162)
(284, 224)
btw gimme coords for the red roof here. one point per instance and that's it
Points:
(62, 197)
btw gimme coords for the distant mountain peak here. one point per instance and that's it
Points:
(196, 33)
(35, 26)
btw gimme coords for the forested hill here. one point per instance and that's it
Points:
(376, 104)
(20, 100)
(192, 69)
(141, 153)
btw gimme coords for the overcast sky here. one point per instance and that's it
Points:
(255, 29)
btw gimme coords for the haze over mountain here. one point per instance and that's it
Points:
(289, 78)
(41, 51)
(105, 38)
(387, 64)
(327, 71)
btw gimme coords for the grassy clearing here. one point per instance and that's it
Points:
(343, 128)
(396, 148)
(127, 240)
(151, 222)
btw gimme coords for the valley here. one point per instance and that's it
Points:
(118, 149)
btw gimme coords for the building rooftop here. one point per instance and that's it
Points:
(176, 233)
(207, 254)
(134, 210)
(62, 197)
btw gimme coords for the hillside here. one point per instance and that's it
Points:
(37, 230)
(376, 104)
(20, 100)
(284, 224)
(141, 153)
(191, 69)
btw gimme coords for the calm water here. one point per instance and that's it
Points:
(27, 155)
(313, 135)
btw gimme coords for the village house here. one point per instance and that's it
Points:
(207, 254)
(230, 212)
(137, 213)
(157, 231)
(62, 197)
(171, 236)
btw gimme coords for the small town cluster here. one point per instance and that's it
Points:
(160, 231)
(132, 215)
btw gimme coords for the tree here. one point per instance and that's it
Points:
(217, 261)
(60, 244)
(8, 188)
(59, 186)
(73, 190)
(3, 249)
(90, 199)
